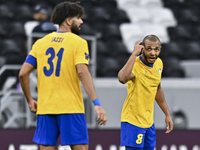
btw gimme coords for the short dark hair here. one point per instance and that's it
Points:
(152, 38)
(66, 10)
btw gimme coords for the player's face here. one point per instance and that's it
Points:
(151, 51)
(75, 27)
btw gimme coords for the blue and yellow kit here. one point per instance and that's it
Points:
(139, 105)
(56, 56)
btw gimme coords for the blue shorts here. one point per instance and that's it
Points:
(134, 136)
(72, 129)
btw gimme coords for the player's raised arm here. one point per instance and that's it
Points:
(125, 73)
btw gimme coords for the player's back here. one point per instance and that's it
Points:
(57, 55)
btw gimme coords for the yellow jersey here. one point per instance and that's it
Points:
(56, 56)
(138, 107)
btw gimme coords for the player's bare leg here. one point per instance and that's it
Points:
(79, 147)
(46, 147)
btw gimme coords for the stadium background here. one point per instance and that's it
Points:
(111, 27)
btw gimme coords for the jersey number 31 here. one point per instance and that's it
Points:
(50, 62)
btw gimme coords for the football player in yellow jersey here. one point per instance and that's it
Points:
(142, 73)
(62, 60)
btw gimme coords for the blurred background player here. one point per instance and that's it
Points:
(42, 13)
(62, 60)
(143, 75)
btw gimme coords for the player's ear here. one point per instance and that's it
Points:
(68, 21)
(142, 50)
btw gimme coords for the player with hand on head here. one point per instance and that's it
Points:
(142, 73)
(62, 60)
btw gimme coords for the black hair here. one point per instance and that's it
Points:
(66, 10)
(151, 37)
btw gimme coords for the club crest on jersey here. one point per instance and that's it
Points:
(159, 70)
(87, 56)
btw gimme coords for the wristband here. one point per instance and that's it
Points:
(97, 102)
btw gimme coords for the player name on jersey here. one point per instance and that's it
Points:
(57, 39)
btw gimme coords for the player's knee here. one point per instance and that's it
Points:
(79, 147)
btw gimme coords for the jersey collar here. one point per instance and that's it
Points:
(61, 31)
(145, 63)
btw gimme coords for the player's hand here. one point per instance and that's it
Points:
(138, 48)
(32, 105)
(169, 124)
(102, 117)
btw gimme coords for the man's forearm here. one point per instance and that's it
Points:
(88, 85)
(160, 99)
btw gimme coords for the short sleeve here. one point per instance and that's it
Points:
(82, 53)
(32, 56)
(31, 60)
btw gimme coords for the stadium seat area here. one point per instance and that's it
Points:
(101, 18)
(185, 34)
(119, 24)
